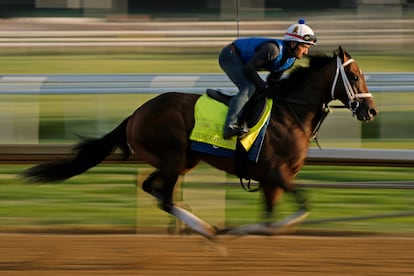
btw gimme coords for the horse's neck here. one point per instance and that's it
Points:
(305, 117)
(306, 104)
(306, 99)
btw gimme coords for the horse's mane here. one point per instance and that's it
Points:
(299, 73)
(315, 62)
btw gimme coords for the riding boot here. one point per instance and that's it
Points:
(231, 127)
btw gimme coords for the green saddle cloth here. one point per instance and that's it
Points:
(209, 117)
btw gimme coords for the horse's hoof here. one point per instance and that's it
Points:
(291, 220)
(281, 227)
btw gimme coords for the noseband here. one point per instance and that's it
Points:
(353, 97)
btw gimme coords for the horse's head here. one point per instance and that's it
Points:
(350, 88)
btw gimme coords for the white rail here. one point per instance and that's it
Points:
(160, 83)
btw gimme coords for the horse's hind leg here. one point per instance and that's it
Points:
(161, 186)
(156, 185)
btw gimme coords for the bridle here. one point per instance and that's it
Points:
(353, 98)
(353, 103)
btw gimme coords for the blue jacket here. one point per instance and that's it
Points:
(247, 48)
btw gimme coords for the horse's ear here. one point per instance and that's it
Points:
(341, 53)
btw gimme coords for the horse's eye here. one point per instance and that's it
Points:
(354, 77)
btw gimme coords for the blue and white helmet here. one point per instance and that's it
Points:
(300, 32)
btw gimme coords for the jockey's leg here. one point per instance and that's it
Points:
(232, 65)
(237, 103)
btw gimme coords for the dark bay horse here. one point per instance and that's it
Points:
(158, 133)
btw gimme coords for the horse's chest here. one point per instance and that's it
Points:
(286, 145)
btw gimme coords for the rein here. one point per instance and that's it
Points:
(248, 188)
(353, 104)
(353, 97)
(314, 135)
(325, 112)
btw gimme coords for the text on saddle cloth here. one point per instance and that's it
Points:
(209, 116)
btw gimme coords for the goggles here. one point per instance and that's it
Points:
(307, 37)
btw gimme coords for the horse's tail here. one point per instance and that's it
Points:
(86, 154)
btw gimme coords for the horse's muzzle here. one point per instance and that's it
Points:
(366, 111)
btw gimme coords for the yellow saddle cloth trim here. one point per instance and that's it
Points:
(209, 117)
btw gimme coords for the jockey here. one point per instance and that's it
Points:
(243, 58)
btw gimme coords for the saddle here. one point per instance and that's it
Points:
(250, 116)
(251, 112)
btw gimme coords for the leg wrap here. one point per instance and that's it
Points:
(193, 221)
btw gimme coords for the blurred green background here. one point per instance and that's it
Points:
(63, 116)
(106, 198)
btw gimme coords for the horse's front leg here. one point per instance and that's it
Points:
(273, 187)
(301, 199)
(276, 183)
(271, 194)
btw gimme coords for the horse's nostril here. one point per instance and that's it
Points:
(373, 112)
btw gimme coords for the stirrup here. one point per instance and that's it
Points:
(245, 129)
(231, 130)
(235, 130)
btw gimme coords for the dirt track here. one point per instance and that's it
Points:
(27, 254)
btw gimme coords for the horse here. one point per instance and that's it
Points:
(158, 133)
